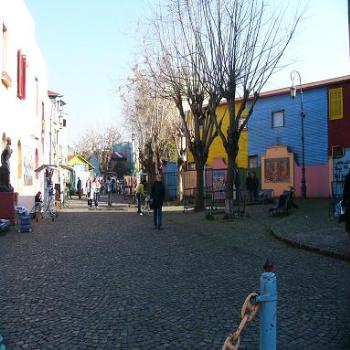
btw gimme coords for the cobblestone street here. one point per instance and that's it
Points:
(105, 279)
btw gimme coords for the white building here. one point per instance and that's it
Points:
(56, 149)
(25, 108)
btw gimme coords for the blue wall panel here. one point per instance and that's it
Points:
(170, 178)
(262, 135)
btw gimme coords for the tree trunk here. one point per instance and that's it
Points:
(230, 180)
(180, 189)
(199, 191)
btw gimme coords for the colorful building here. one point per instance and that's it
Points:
(275, 146)
(83, 169)
(127, 151)
(275, 141)
(339, 131)
(215, 172)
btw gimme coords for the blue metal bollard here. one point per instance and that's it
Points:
(2, 346)
(268, 310)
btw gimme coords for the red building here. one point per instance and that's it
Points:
(339, 130)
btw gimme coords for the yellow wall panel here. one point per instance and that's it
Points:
(217, 149)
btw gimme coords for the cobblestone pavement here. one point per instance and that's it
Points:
(314, 226)
(105, 279)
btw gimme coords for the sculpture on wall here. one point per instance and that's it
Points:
(5, 185)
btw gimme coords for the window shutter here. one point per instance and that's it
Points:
(21, 75)
(24, 71)
(335, 101)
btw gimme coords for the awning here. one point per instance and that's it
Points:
(45, 166)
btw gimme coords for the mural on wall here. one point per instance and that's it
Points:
(340, 170)
(219, 184)
(28, 167)
(341, 166)
(277, 170)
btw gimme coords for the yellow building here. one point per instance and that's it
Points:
(82, 168)
(217, 150)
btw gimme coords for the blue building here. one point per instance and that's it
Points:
(93, 160)
(170, 178)
(275, 147)
(126, 149)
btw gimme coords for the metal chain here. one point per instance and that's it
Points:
(248, 312)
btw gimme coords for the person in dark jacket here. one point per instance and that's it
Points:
(252, 185)
(79, 187)
(157, 196)
(346, 202)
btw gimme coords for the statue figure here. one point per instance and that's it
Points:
(5, 185)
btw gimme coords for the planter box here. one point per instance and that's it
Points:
(8, 202)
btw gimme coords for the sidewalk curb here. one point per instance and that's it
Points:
(310, 248)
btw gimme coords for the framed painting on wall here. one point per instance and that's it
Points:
(277, 170)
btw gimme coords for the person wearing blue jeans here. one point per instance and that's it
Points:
(157, 196)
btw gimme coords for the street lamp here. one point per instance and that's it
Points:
(293, 93)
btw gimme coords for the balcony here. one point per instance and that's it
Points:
(6, 79)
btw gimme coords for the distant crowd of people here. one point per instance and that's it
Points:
(95, 186)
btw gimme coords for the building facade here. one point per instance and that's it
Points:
(272, 144)
(29, 114)
(339, 132)
(275, 135)
(23, 96)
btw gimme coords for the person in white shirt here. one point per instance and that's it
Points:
(95, 189)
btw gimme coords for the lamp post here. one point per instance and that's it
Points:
(293, 93)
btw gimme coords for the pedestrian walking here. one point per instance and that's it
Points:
(109, 188)
(140, 192)
(88, 187)
(346, 202)
(157, 197)
(79, 187)
(252, 185)
(95, 189)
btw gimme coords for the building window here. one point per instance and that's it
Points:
(338, 152)
(21, 75)
(253, 162)
(278, 119)
(335, 103)
(5, 78)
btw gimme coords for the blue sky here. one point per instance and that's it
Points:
(90, 46)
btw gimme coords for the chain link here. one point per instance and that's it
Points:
(248, 312)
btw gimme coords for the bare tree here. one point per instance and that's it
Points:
(242, 43)
(214, 50)
(98, 144)
(150, 119)
(174, 65)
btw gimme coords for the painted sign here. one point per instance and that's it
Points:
(340, 170)
(341, 166)
(219, 184)
(277, 170)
